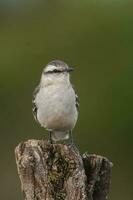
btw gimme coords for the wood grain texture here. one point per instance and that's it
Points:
(58, 172)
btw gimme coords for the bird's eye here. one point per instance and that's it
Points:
(55, 70)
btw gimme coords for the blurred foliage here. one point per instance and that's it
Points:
(96, 37)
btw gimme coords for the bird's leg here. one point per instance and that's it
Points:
(50, 137)
(71, 141)
(71, 138)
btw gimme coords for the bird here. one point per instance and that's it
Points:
(55, 104)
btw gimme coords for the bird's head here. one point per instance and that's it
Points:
(56, 70)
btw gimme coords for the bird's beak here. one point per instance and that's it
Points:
(70, 69)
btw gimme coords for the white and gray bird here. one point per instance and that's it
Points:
(55, 103)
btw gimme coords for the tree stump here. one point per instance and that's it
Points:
(58, 172)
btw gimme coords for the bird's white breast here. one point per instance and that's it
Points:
(56, 107)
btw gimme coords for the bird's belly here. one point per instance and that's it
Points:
(56, 109)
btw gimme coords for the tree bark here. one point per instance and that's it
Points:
(58, 172)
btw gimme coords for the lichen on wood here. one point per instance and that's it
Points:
(58, 172)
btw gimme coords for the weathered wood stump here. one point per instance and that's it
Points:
(58, 172)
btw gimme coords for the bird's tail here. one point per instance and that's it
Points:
(58, 135)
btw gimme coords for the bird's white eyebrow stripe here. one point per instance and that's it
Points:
(53, 69)
(50, 69)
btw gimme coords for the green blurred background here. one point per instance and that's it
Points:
(95, 36)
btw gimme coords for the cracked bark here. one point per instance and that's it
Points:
(59, 172)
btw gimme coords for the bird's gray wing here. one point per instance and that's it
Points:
(34, 106)
(76, 99)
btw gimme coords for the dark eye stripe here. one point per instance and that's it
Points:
(55, 71)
